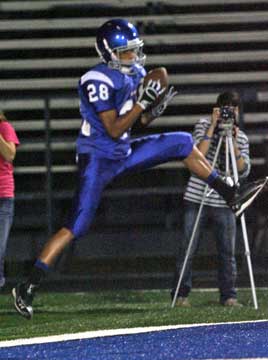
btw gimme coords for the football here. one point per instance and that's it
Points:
(158, 74)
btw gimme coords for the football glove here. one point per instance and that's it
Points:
(160, 108)
(150, 93)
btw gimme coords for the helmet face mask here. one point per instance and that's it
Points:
(116, 37)
(126, 65)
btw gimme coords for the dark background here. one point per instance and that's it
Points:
(208, 48)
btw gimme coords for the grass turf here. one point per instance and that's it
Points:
(58, 313)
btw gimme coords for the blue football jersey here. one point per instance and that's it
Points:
(101, 89)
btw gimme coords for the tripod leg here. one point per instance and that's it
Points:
(188, 249)
(244, 228)
(247, 254)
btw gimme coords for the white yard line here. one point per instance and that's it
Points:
(113, 332)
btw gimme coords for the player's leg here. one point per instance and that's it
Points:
(238, 198)
(199, 165)
(55, 245)
(160, 148)
(156, 149)
(93, 176)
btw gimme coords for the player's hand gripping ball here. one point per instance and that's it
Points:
(153, 88)
(161, 75)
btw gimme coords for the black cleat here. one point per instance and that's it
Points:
(23, 298)
(246, 194)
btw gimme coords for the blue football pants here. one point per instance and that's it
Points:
(96, 173)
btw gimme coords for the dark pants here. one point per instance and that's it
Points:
(223, 223)
(6, 219)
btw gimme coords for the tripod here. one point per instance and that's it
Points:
(226, 135)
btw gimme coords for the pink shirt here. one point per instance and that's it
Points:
(7, 186)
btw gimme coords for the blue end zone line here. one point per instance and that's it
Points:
(112, 332)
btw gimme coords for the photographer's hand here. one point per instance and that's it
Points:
(203, 146)
(235, 132)
(215, 117)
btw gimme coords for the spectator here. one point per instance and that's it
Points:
(8, 143)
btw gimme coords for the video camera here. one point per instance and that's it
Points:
(227, 117)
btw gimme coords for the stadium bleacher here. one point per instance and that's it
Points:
(46, 45)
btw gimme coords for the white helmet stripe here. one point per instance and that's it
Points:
(98, 50)
(106, 45)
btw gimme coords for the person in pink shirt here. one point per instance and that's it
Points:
(8, 143)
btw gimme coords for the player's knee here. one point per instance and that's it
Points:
(79, 230)
(77, 224)
(190, 141)
(188, 145)
(193, 154)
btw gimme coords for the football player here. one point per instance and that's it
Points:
(110, 104)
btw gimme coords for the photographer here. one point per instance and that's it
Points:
(215, 215)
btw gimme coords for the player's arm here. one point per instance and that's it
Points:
(147, 118)
(7, 149)
(116, 125)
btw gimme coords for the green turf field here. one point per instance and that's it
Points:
(58, 313)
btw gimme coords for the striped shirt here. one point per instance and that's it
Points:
(195, 187)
